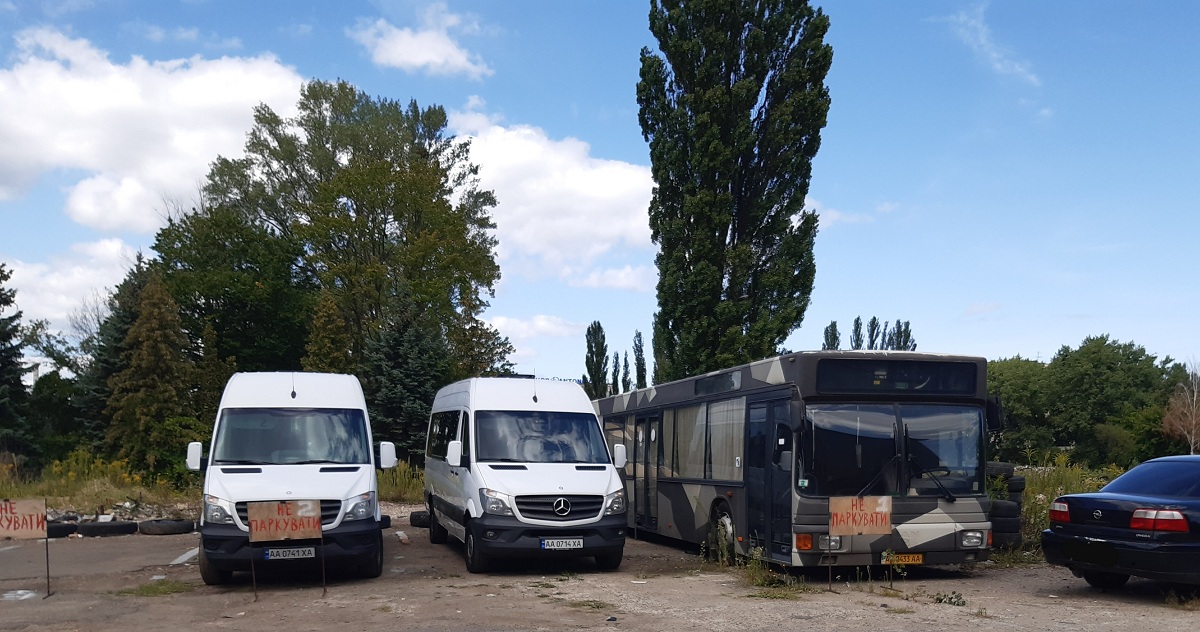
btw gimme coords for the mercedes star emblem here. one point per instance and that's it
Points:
(562, 506)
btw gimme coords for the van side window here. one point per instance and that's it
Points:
(443, 427)
(466, 437)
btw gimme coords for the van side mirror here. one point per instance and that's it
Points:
(785, 460)
(194, 452)
(454, 453)
(619, 456)
(387, 455)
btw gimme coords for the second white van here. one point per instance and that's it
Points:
(519, 467)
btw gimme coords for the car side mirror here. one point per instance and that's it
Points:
(454, 453)
(387, 455)
(619, 456)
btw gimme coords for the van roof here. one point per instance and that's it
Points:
(510, 393)
(293, 390)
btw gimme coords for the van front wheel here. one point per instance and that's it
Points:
(609, 561)
(372, 566)
(212, 576)
(477, 561)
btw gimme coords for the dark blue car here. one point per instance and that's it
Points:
(1145, 523)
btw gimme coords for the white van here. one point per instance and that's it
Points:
(285, 437)
(518, 467)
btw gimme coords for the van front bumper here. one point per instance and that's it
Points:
(506, 536)
(228, 548)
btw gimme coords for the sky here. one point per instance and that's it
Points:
(1009, 177)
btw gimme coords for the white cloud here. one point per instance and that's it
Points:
(431, 48)
(559, 209)
(970, 27)
(638, 279)
(54, 289)
(540, 326)
(831, 216)
(140, 132)
(982, 309)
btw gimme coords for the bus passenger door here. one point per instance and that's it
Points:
(645, 470)
(768, 478)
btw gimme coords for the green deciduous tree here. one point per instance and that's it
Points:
(1020, 384)
(212, 373)
(385, 204)
(639, 360)
(155, 387)
(732, 111)
(1182, 417)
(614, 386)
(833, 340)
(856, 334)
(229, 271)
(595, 363)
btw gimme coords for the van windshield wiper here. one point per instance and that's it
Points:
(240, 462)
(314, 461)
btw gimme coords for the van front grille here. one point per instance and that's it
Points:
(561, 508)
(329, 511)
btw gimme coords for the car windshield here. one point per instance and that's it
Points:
(279, 436)
(1179, 479)
(539, 437)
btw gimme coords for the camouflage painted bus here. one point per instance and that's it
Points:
(749, 458)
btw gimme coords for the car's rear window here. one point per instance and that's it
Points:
(1163, 478)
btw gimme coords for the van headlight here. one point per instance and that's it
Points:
(495, 502)
(216, 510)
(614, 503)
(362, 507)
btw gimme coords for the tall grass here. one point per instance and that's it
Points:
(404, 483)
(1043, 483)
(86, 483)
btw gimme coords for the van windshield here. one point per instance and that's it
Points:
(538, 437)
(280, 436)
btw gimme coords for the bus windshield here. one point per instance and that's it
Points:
(279, 436)
(892, 449)
(539, 437)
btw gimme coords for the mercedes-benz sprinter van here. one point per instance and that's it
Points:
(291, 437)
(519, 467)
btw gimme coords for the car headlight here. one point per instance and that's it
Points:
(215, 511)
(363, 507)
(972, 539)
(614, 503)
(495, 502)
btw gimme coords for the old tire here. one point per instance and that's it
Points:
(212, 576)
(102, 529)
(1005, 509)
(166, 527)
(372, 563)
(60, 529)
(437, 533)
(1105, 581)
(999, 469)
(1006, 524)
(1006, 541)
(419, 519)
(610, 561)
(1016, 483)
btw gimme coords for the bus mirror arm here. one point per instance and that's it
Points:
(863, 492)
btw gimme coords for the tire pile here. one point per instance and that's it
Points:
(89, 529)
(1006, 514)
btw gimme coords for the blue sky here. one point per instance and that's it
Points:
(1010, 177)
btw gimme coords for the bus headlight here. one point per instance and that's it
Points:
(363, 507)
(494, 502)
(829, 542)
(614, 503)
(215, 511)
(972, 539)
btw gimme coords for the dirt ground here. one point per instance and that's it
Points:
(658, 587)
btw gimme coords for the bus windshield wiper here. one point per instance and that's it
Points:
(950, 497)
(862, 492)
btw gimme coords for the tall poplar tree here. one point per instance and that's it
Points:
(639, 360)
(595, 363)
(732, 110)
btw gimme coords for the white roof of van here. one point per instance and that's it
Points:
(511, 393)
(293, 390)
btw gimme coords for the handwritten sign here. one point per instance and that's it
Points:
(868, 515)
(22, 519)
(285, 520)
